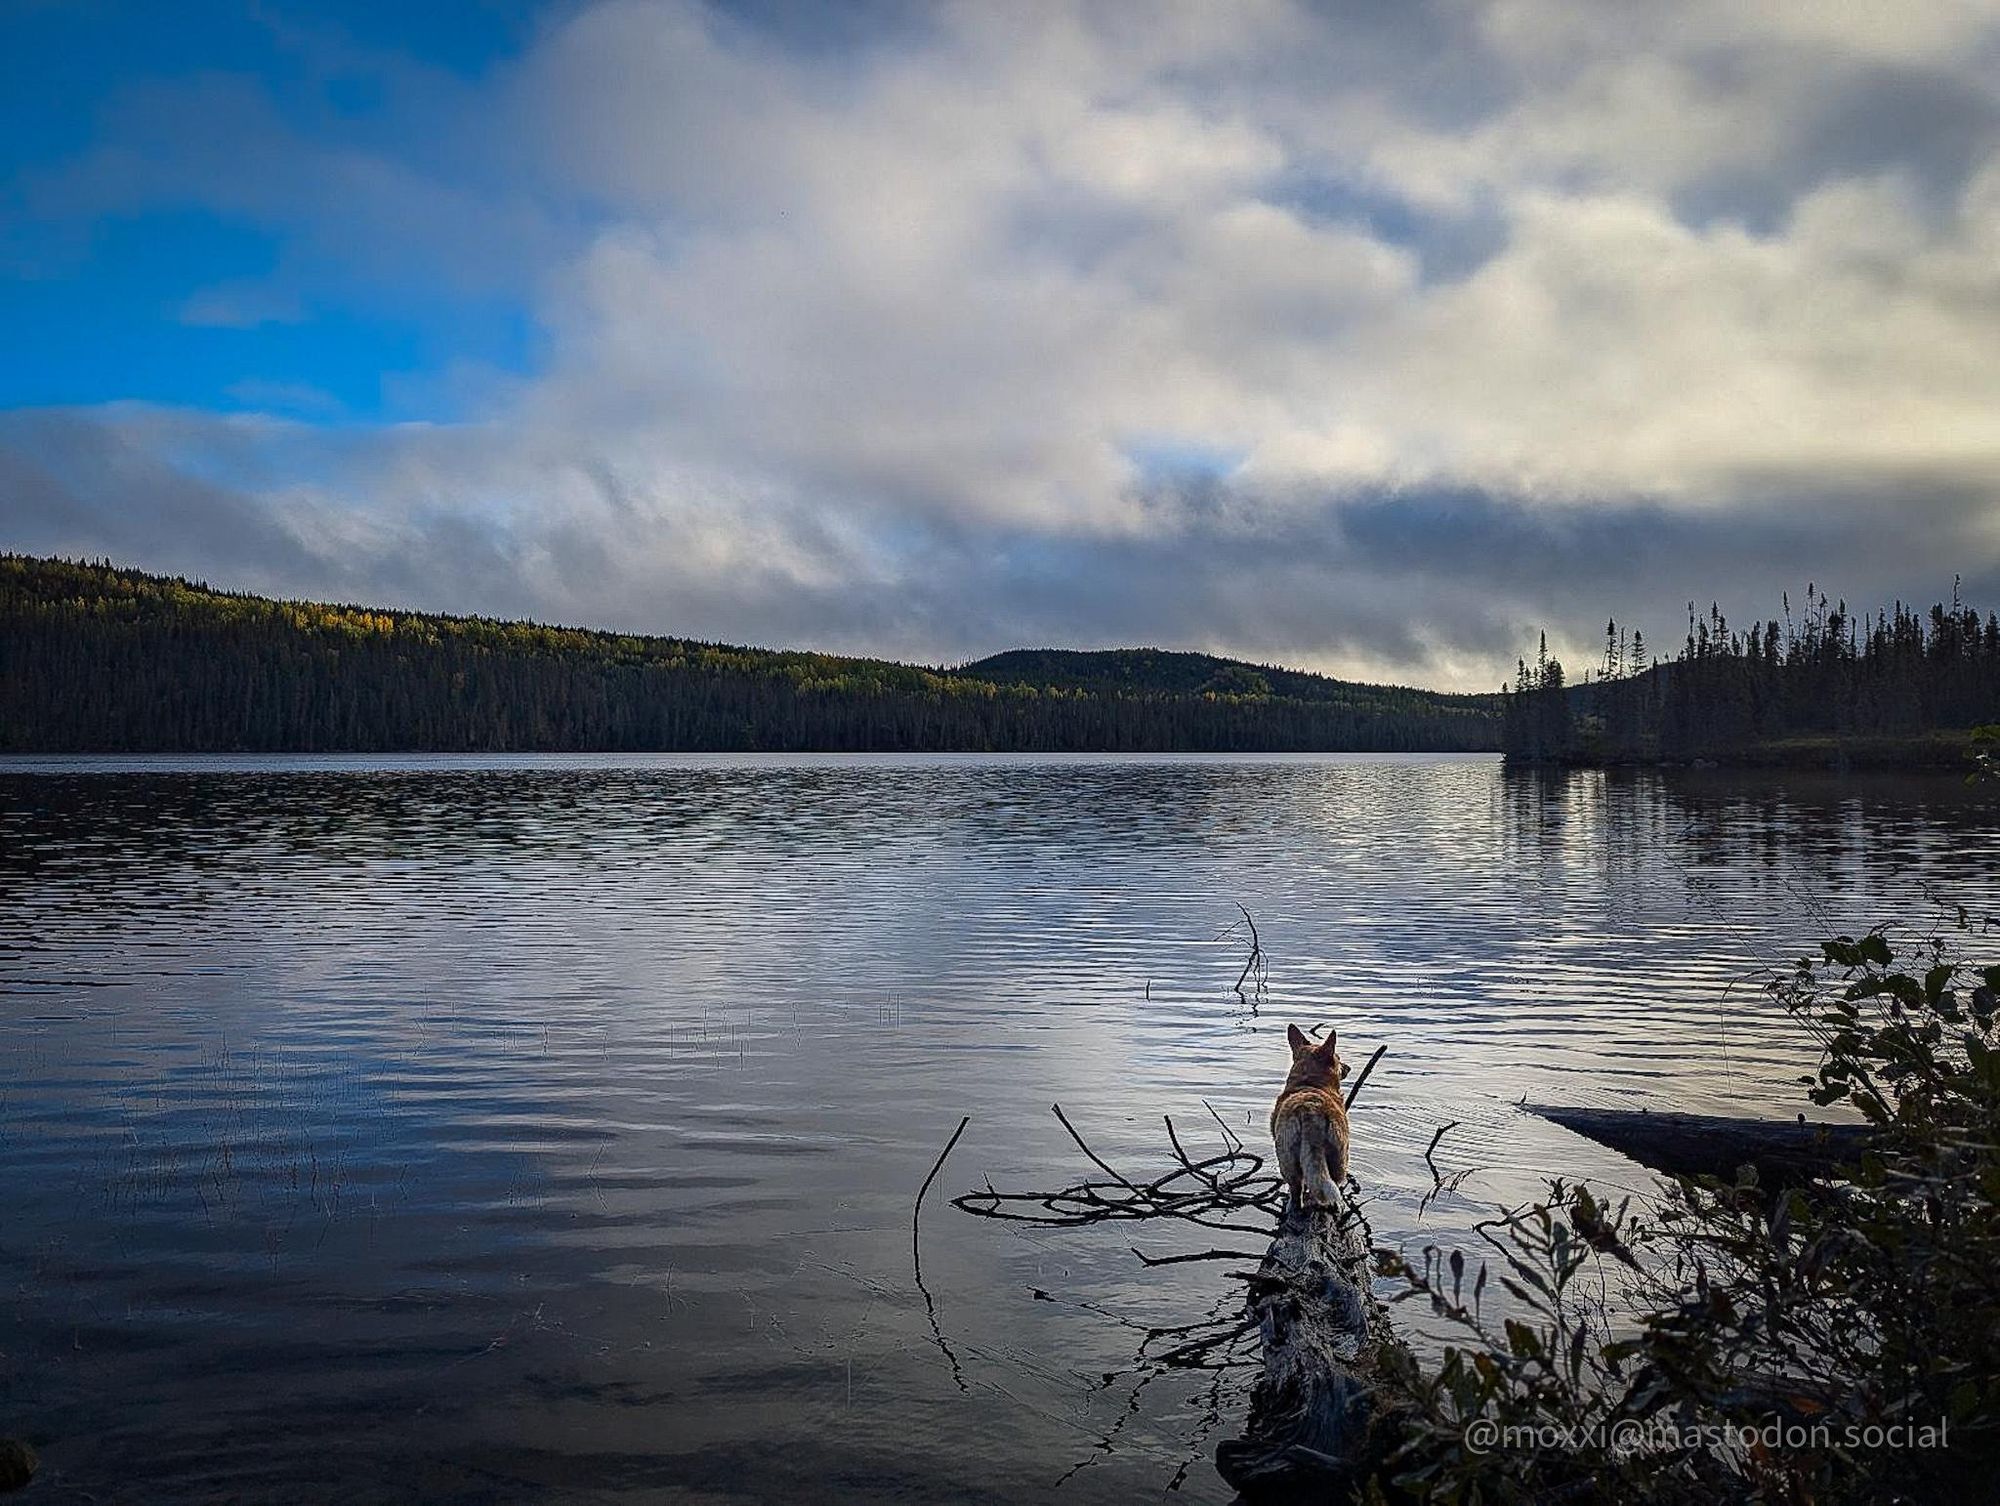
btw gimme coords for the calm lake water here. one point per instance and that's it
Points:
(547, 1128)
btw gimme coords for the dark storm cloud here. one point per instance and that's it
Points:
(1935, 131)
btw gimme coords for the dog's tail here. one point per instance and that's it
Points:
(1321, 1181)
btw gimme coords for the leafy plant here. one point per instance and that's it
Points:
(1833, 1343)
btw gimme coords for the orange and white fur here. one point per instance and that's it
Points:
(1309, 1122)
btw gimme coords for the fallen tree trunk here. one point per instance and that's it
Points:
(1783, 1151)
(1319, 1422)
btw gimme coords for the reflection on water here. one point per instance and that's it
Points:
(546, 1129)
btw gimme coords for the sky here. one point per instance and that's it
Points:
(1371, 337)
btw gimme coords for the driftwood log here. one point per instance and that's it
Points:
(1319, 1421)
(1783, 1151)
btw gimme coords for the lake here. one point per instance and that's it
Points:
(468, 1130)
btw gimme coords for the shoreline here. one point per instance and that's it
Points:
(1919, 753)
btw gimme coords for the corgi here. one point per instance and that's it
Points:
(1309, 1122)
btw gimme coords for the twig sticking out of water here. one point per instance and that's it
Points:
(1355, 1091)
(917, 1209)
(917, 1256)
(1254, 970)
(1229, 1136)
(1441, 1183)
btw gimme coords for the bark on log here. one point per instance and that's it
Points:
(1319, 1422)
(1784, 1151)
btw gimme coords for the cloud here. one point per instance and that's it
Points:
(116, 482)
(1502, 315)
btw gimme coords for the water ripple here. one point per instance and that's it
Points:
(542, 1129)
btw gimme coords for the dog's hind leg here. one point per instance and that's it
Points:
(1289, 1167)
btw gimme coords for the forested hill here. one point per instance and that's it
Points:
(99, 659)
(1158, 671)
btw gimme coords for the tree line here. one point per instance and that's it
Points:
(95, 658)
(1820, 676)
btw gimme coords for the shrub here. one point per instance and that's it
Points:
(1833, 1343)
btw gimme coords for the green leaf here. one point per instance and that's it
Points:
(1522, 1340)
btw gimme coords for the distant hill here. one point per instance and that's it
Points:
(94, 658)
(1159, 671)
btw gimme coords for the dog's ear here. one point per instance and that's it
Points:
(1297, 1039)
(1325, 1047)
